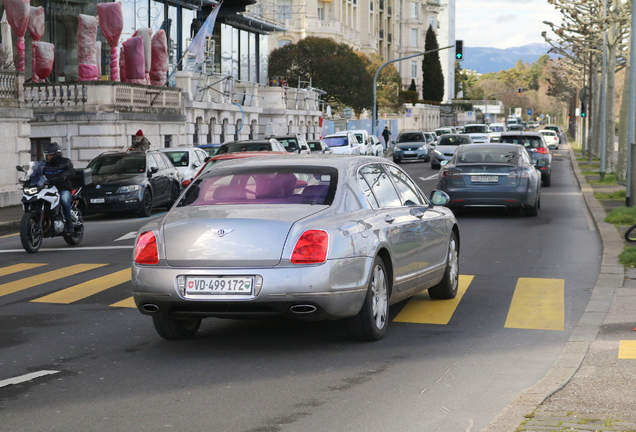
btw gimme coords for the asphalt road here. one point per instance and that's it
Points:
(99, 365)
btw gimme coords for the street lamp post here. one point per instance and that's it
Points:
(604, 95)
(631, 129)
(374, 120)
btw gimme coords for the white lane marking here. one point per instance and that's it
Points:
(431, 177)
(70, 249)
(26, 377)
(130, 235)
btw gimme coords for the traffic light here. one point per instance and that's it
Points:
(583, 110)
(519, 90)
(459, 50)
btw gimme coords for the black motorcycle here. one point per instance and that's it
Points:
(43, 216)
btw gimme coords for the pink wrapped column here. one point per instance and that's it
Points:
(86, 48)
(36, 29)
(43, 54)
(18, 13)
(111, 23)
(159, 63)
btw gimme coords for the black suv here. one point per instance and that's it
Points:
(536, 147)
(131, 181)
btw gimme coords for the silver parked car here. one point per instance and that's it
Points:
(312, 238)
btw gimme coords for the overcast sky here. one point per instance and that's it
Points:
(502, 23)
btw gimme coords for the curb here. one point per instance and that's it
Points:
(610, 277)
(9, 227)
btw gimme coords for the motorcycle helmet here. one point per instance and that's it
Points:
(51, 151)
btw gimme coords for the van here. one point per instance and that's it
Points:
(363, 138)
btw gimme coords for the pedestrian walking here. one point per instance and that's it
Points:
(386, 134)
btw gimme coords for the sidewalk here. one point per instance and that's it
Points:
(589, 388)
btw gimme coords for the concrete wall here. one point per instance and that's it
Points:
(14, 150)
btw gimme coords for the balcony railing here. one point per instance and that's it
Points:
(105, 96)
(10, 88)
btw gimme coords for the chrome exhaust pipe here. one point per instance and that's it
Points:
(303, 309)
(150, 308)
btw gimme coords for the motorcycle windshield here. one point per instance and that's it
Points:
(34, 175)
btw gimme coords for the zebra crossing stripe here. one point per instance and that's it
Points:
(627, 349)
(421, 309)
(127, 303)
(30, 282)
(86, 289)
(537, 304)
(16, 268)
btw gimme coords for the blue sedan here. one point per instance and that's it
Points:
(491, 175)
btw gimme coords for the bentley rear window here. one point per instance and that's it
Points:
(269, 185)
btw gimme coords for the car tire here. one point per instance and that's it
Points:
(446, 289)
(545, 182)
(146, 204)
(174, 329)
(534, 210)
(175, 190)
(371, 322)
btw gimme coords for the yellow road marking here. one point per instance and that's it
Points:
(627, 349)
(10, 235)
(22, 284)
(128, 303)
(537, 304)
(422, 309)
(86, 289)
(18, 268)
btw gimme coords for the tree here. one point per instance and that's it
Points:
(388, 83)
(332, 67)
(432, 76)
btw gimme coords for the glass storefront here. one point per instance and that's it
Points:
(239, 53)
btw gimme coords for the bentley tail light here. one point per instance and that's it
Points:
(311, 248)
(146, 249)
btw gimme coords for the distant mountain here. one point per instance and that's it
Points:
(485, 60)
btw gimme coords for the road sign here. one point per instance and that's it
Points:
(470, 114)
(347, 112)
(529, 112)
(542, 116)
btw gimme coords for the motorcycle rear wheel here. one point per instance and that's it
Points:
(75, 238)
(31, 232)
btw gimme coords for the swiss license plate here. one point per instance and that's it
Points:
(484, 179)
(97, 200)
(219, 285)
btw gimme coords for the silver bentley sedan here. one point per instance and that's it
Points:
(312, 238)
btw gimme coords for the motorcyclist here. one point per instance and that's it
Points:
(58, 171)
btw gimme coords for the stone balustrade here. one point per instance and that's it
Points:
(102, 96)
(11, 90)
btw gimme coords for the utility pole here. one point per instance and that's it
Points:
(374, 120)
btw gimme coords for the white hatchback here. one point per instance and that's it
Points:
(186, 160)
(551, 138)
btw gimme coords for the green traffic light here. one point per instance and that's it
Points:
(458, 56)
(583, 114)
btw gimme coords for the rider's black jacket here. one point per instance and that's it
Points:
(59, 172)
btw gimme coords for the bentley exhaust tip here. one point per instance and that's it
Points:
(303, 309)
(150, 308)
